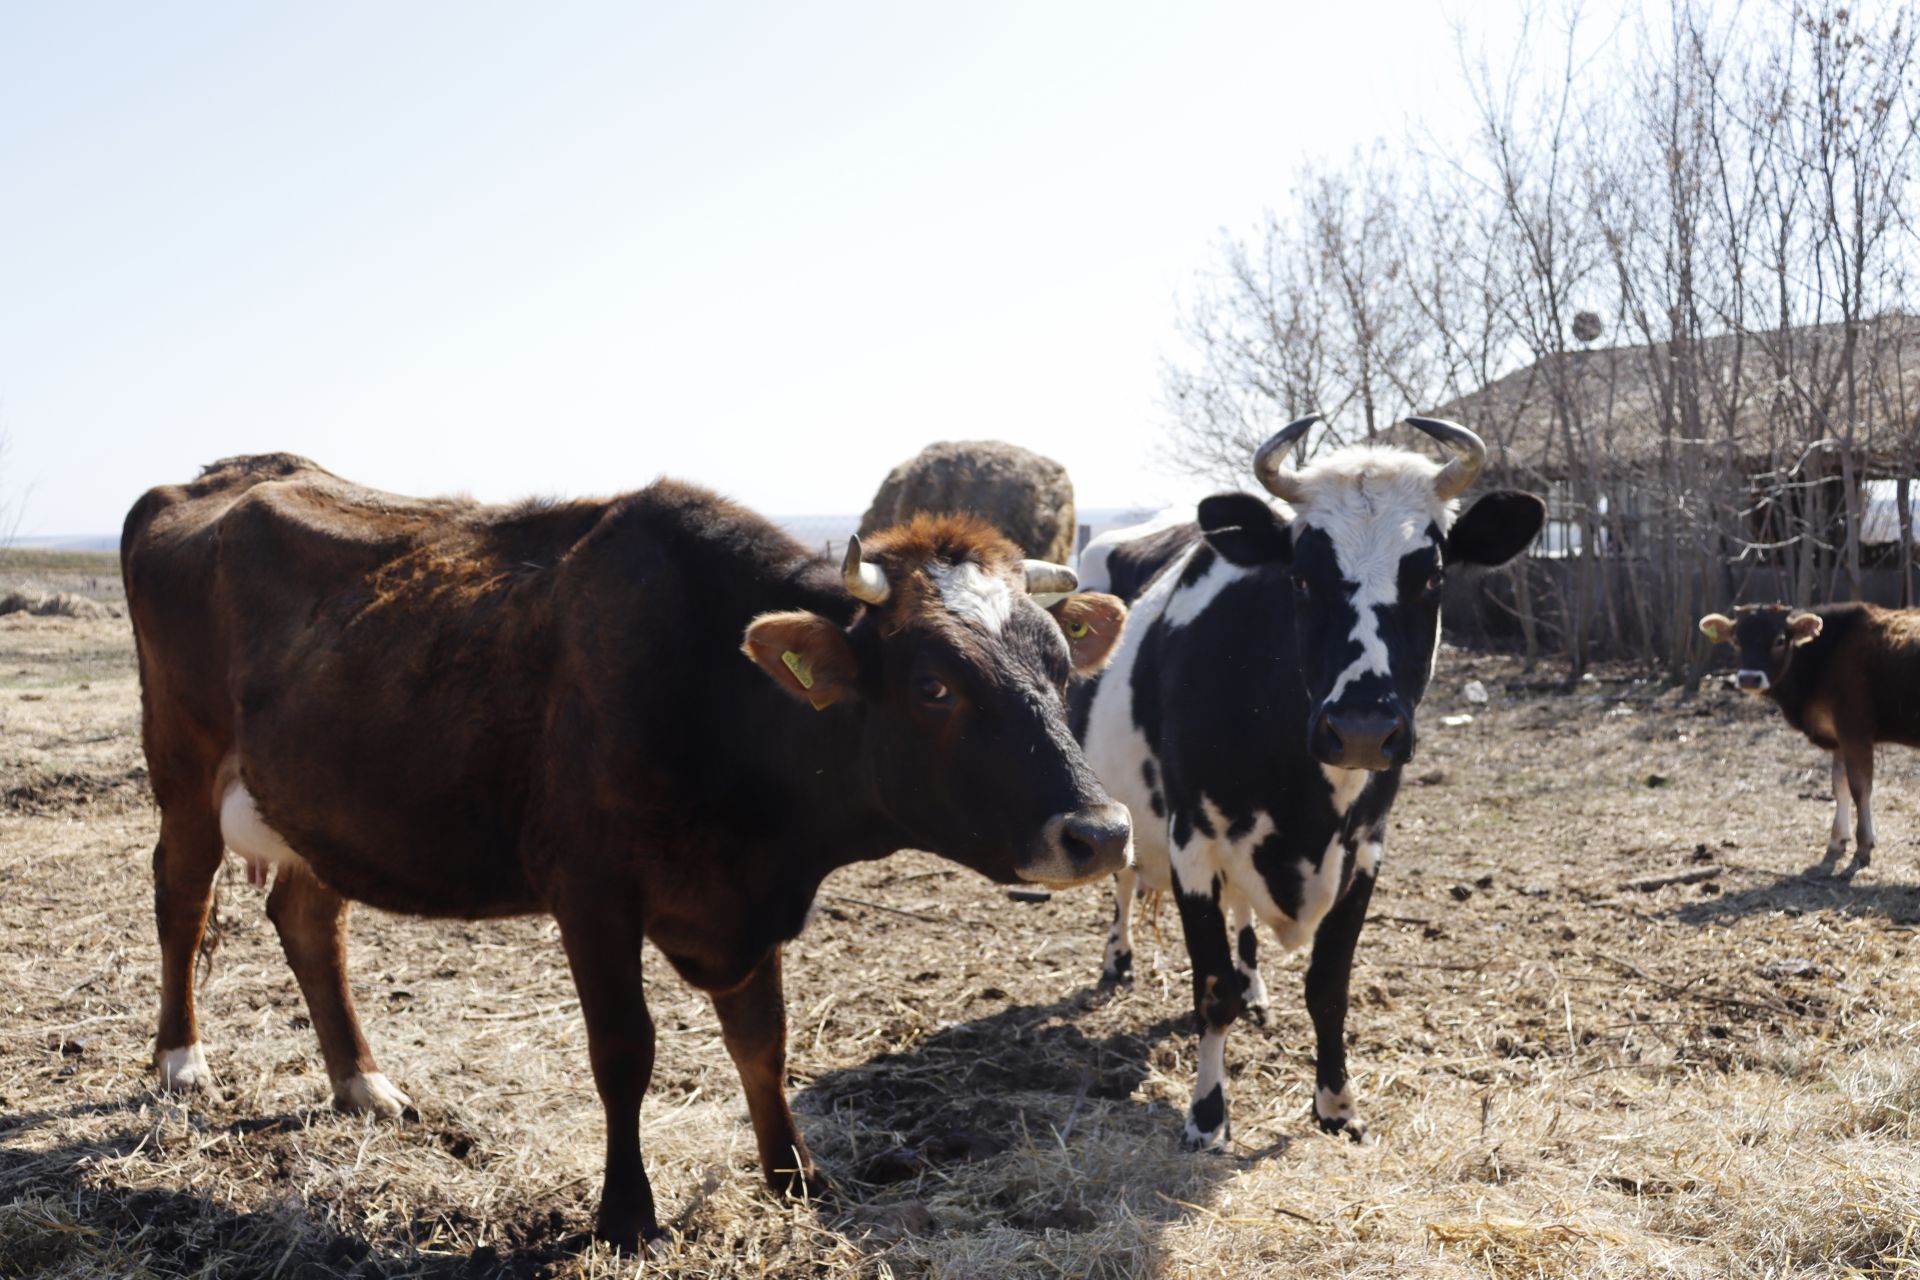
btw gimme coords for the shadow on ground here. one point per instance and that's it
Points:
(1812, 891)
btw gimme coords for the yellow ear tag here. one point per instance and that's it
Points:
(801, 668)
(1076, 630)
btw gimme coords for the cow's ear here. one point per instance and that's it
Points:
(1092, 621)
(1717, 627)
(1244, 529)
(806, 654)
(1802, 627)
(1496, 528)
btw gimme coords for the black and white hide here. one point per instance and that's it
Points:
(1258, 711)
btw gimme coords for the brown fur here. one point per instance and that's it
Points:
(451, 709)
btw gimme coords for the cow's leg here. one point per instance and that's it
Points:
(1119, 962)
(184, 862)
(1860, 782)
(312, 923)
(1327, 976)
(753, 1022)
(1246, 952)
(1837, 838)
(1217, 997)
(603, 950)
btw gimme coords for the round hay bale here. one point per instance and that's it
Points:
(1027, 497)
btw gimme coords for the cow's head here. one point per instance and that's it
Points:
(1765, 636)
(958, 667)
(1372, 535)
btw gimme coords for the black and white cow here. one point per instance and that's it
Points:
(1260, 706)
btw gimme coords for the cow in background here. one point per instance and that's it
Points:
(1260, 707)
(1847, 676)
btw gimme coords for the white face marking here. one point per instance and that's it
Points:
(1375, 506)
(972, 592)
(247, 834)
(182, 1069)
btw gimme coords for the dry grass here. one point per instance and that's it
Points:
(1566, 1078)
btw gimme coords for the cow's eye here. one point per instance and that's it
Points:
(1779, 644)
(933, 692)
(1302, 589)
(1435, 581)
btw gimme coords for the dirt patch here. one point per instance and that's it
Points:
(76, 794)
(1568, 1073)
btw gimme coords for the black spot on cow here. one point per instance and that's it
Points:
(1249, 947)
(1284, 866)
(1239, 827)
(1210, 1111)
(1150, 774)
(1159, 803)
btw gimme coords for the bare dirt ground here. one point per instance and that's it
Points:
(1565, 1077)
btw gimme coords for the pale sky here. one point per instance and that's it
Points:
(566, 248)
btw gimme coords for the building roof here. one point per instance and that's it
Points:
(1784, 395)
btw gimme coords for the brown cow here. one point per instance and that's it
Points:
(1847, 676)
(450, 709)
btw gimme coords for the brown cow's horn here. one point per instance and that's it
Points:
(1469, 455)
(1047, 578)
(1270, 460)
(866, 582)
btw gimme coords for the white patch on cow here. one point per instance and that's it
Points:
(1368, 857)
(370, 1092)
(1188, 603)
(1329, 1105)
(1239, 919)
(1212, 1075)
(1116, 749)
(1120, 937)
(247, 833)
(185, 1069)
(1093, 569)
(1375, 506)
(1743, 675)
(1204, 857)
(1346, 784)
(972, 592)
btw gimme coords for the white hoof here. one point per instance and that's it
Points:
(372, 1093)
(184, 1069)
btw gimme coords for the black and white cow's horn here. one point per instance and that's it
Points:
(1270, 460)
(1047, 578)
(866, 582)
(1469, 455)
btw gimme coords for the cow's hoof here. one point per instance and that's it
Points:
(1352, 1127)
(183, 1070)
(1260, 1014)
(1118, 969)
(1198, 1139)
(372, 1094)
(650, 1243)
(801, 1184)
(1207, 1125)
(1853, 868)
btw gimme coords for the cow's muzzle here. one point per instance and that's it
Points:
(1751, 681)
(1080, 846)
(1367, 737)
